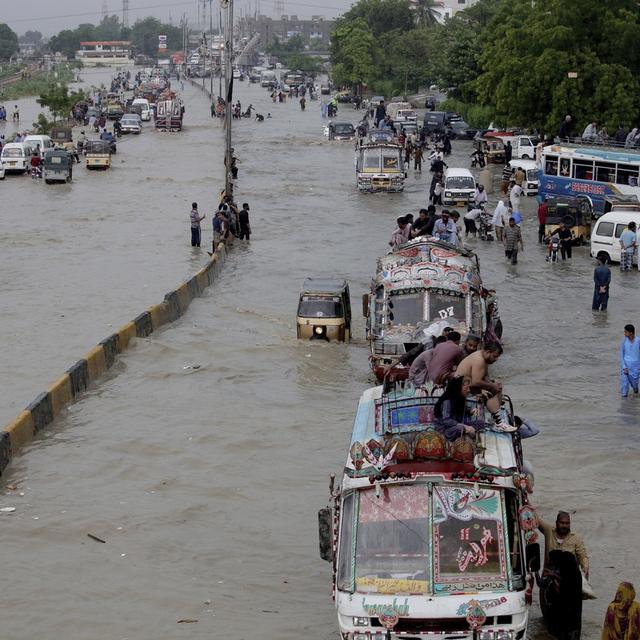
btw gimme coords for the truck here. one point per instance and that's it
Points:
(429, 538)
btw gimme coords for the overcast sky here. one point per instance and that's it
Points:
(50, 17)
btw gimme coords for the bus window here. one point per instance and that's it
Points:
(627, 174)
(605, 229)
(565, 164)
(551, 165)
(583, 170)
(605, 172)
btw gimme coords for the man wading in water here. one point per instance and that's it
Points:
(196, 219)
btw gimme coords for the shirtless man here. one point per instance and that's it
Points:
(476, 367)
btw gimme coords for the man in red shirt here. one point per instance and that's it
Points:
(542, 220)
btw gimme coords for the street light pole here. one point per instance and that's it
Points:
(210, 50)
(228, 74)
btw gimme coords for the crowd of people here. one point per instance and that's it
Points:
(228, 222)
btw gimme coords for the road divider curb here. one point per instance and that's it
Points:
(48, 405)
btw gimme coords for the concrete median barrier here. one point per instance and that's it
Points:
(68, 387)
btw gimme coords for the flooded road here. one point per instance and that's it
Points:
(205, 482)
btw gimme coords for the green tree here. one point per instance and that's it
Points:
(59, 101)
(8, 42)
(426, 13)
(529, 51)
(381, 16)
(108, 29)
(145, 32)
(31, 37)
(68, 41)
(309, 65)
(352, 46)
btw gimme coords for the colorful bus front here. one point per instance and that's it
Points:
(430, 559)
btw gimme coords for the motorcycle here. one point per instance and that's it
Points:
(554, 247)
(485, 229)
(477, 159)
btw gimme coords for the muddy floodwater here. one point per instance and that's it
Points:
(202, 458)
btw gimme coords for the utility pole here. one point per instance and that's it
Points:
(228, 76)
(125, 13)
(210, 49)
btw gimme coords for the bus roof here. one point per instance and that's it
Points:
(394, 431)
(611, 154)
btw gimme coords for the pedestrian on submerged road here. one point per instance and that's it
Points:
(629, 361)
(601, 282)
(245, 226)
(196, 219)
(512, 238)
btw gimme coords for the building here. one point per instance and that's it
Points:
(448, 8)
(104, 52)
(315, 32)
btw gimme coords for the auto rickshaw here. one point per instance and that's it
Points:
(62, 138)
(492, 148)
(57, 166)
(576, 213)
(324, 310)
(98, 154)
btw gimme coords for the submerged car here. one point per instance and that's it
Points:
(341, 131)
(460, 129)
(130, 123)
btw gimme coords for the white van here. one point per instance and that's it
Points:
(44, 142)
(459, 187)
(530, 168)
(145, 113)
(605, 237)
(16, 156)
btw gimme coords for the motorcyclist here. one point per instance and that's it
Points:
(553, 244)
(117, 128)
(106, 135)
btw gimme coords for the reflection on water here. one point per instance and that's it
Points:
(205, 482)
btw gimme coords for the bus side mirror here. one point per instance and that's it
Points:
(532, 553)
(365, 305)
(325, 531)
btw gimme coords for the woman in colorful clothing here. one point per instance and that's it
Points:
(622, 621)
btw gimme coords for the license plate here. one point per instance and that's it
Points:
(460, 203)
(12, 164)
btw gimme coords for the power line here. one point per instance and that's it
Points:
(164, 6)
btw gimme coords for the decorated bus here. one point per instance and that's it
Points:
(427, 537)
(422, 287)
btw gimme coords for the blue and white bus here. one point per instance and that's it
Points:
(589, 172)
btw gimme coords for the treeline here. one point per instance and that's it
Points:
(517, 62)
(143, 35)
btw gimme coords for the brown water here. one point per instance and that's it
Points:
(205, 482)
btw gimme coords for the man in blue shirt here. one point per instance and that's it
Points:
(445, 229)
(629, 361)
(601, 281)
(627, 247)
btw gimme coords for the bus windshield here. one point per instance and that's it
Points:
(392, 544)
(405, 308)
(410, 542)
(442, 306)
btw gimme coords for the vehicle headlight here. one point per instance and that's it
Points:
(447, 194)
(319, 330)
(361, 636)
(505, 634)
(359, 621)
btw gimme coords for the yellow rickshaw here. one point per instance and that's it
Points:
(98, 154)
(324, 310)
